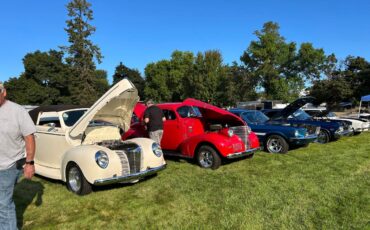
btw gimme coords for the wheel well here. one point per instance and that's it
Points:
(276, 134)
(327, 132)
(65, 170)
(205, 144)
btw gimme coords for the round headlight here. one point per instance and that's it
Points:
(157, 149)
(340, 129)
(101, 158)
(230, 132)
(300, 133)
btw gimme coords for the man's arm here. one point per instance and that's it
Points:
(29, 169)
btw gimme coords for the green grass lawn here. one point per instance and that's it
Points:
(318, 187)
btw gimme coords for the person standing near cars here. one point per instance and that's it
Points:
(154, 118)
(17, 150)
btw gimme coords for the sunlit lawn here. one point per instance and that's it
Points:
(318, 187)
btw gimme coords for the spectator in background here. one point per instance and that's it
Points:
(154, 118)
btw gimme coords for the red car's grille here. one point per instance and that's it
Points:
(243, 133)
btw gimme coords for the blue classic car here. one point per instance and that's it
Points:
(329, 129)
(277, 137)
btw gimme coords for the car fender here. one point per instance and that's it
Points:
(282, 134)
(84, 157)
(222, 143)
(149, 159)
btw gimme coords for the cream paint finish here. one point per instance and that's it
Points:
(115, 106)
(56, 147)
(149, 159)
(100, 133)
(84, 157)
(51, 144)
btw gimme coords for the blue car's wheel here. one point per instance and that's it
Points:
(323, 137)
(276, 144)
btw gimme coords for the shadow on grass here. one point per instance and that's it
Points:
(225, 161)
(121, 185)
(24, 194)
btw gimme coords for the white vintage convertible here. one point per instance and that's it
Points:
(83, 147)
(358, 125)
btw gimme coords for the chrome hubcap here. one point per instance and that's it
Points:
(74, 179)
(274, 145)
(206, 159)
(321, 138)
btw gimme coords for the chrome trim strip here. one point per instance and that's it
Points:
(50, 133)
(309, 137)
(241, 154)
(126, 178)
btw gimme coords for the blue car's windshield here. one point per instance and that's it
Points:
(255, 117)
(300, 115)
(331, 114)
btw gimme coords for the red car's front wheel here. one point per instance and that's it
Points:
(207, 157)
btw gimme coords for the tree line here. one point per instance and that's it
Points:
(269, 68)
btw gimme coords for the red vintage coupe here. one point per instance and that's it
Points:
(194, 129)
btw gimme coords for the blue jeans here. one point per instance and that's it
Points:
(8, 179)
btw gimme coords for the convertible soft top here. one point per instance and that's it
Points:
(51, 108)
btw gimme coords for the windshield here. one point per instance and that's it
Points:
(331, 114)
(300, 115)
(189, 111)
(71, 117)
(255, 117)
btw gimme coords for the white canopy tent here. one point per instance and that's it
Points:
(363, 98)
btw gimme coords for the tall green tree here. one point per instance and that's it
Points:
(357, 74)
(268, 58)
(82, 52)
(205, 77)
(44, 81)
(280, 69)
(156, 75)
(133, 75)
(332, 91)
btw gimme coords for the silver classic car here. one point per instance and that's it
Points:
(83, 147)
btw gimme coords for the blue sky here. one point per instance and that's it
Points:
(140, 32)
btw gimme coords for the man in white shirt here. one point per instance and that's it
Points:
(17, 151)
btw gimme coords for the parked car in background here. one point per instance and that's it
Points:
(330, 130)
(358, 125)
(83, 146)
(194, 129)
(137, 127)
(277, 137)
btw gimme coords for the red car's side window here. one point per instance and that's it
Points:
(169, 114)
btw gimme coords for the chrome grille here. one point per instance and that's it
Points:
(242, 132)
(134, 158)
(124, 162)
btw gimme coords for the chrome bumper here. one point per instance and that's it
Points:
(130, 177)
(343, 133)
(241, 154)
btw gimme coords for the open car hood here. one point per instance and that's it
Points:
(213, 113)
(292, 107)
(115, 107)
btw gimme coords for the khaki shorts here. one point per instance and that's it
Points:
(156, 136)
